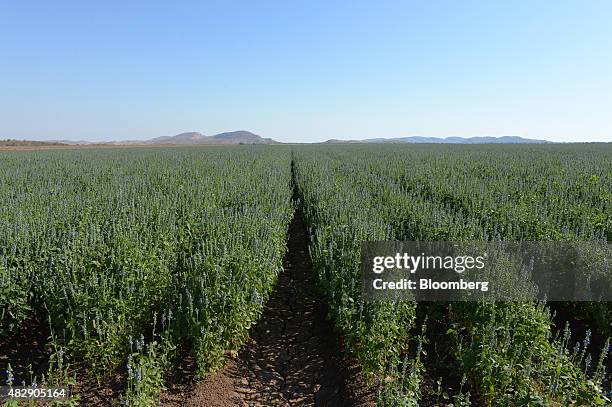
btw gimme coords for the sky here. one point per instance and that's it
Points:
(306, 71)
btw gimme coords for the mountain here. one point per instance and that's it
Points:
(246, 137)
(195, 138)
(448, 140)
(187, 139)
(241, 136)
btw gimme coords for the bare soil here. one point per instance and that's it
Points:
(293, 356)
(27, 351)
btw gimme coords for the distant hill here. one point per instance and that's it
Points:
(246, 137)
(242, 136)
(447, 140)
(183, 138)
(188, 139)
(195, 138)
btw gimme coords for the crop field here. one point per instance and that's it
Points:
(123, 271)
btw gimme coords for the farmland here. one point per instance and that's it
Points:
(126, 262)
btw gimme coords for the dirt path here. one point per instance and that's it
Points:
(292, 358)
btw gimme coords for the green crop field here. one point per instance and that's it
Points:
(129, 259)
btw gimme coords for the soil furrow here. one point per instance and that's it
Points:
(293, 356)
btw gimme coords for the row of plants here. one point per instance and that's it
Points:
(507, 350)
(560, 193)
(341, 214)
(129, 255)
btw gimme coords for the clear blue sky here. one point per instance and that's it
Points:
(306, 70)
